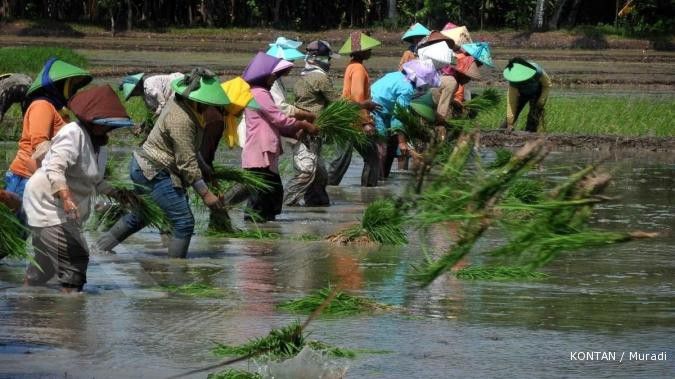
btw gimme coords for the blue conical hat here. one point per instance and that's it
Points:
(480, 51)
(285, 48)
(416, 30)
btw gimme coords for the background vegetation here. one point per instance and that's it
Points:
(648, 17)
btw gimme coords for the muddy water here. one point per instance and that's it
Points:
(616, 299)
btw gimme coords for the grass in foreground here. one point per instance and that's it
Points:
(598, 115)
(498, 273)
(341, 305)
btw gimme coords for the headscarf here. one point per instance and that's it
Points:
(240, 96)
(422, 73)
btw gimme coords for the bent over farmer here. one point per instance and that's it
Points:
(528, 83)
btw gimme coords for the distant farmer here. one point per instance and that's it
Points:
(528, 83)
(48, 94)
(156, 91)
(13, 88)
(413, 36)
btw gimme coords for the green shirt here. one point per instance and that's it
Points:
(314, 91)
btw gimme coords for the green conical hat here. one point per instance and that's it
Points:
(519, 70)
(60, 70)
(358, 41)
(209, 91)
(424, 106)
(130, 83)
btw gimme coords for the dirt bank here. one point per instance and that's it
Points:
(500, 138)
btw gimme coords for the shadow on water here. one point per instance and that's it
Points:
(618, 298)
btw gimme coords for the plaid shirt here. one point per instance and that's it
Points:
(314, 91)
(173, 145)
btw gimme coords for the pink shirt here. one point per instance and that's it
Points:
(264, 127)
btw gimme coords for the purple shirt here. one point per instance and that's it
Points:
(264, 127)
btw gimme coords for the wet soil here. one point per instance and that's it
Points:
(501, 138)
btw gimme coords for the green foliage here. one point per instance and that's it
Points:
(498, 273)
(338, 124)
(342, 304)
(232, 373)
(412, 126)
(12, 232)
(30, 60)
(382, 222)
(285, 342)
(528, 191)
(224, 176)
(502, 157)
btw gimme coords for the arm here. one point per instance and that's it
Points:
(40, 120)
(546, 84)
(511, 106)
(64, 153)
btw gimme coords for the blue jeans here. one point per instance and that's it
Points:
(15, 183)
(172, 200)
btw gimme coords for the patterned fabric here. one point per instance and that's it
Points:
(157, 91)
(173, 144)
(13, 89)
(314, 91)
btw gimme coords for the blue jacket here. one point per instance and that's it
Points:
(391, 89)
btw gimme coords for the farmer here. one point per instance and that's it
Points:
(58, 196)
(155, 89)
(167, 162)
(398, 89)
(447, 96)
(13, 88)
(313, 92)
(357, 88)
(528, 83)
(49, 93)
(461, 36)
(413, 36)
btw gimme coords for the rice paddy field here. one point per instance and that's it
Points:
(144, 315)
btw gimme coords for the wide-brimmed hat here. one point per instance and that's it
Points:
(466, 64)
(433, 38)
(480, 51)
(201, 85)
(459, 34)
(439, 54)
(321, 48)
(416, 30)
(260, 68)
(424, 106)
(422, 73)
(55, 70)
(100, 105)
(519, 70)
(285, 48)
(281, 66)
(129, 84)
(358, 41)
(449, 25)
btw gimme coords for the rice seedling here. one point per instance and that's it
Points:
(334, 351)
(498, 273)
(338, 124)
(30, 59)
(126, 201)
(232, 373)
(284, 342)
(412, 126)
(193, 290)
(12, 232)
(502, 157)
(341, 304)
(528, 191)
(257, 234)
(224, 177)
(382, 222)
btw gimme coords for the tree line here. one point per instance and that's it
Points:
(643, 16)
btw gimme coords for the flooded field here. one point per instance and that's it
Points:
(617, 299)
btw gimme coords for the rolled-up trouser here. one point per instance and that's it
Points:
(173, 201)
(62, 251)
(371, 164)
(265, 205)
(310, 180)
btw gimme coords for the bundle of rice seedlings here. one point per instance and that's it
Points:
(193, 290)
(224, 177)
(12, 232)
(232, 373)
(339, 123)
(341, 304)
(128, 201)
(279, 343)
(412, 126)
(220, 222)
(498, 273)
(334, 351)
(485, 101)
(502, 157)
(528, 191)
(382, 222)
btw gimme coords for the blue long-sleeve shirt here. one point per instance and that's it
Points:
(391, 89)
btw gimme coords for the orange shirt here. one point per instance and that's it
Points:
(459, 94)
(357, 85)
(41, 122)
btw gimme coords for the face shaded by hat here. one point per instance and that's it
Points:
(321, 48)
(422, 74)
(285, 48)
(99, 110)
(358, 42)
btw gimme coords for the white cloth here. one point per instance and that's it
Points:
(157, 91)
(70, 163)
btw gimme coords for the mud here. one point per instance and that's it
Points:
(501, 138)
